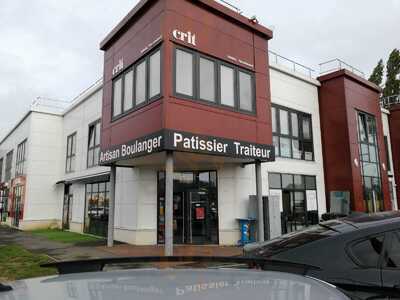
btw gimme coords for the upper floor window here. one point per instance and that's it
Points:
(369, 159)
(21, 152)
(203, 78)
(71, 153)
(93, 144)
(1, 169)
(9, 159)
(292, 133)
(138, 84)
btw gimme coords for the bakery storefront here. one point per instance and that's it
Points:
(188, 100)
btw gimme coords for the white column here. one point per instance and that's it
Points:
(169, 193)
(111, 207)
(260, 220)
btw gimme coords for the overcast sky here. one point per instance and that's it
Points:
(50, 48)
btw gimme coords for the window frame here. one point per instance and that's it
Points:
(95, 146)
(20, 158)
(300, 137)
(217, 66)
(8, 167)
(69, 156)
(360, 142)
(132, 67)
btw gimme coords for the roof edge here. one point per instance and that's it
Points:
(211, 4)
(351, 75)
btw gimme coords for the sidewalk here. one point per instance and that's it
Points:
(64, 251)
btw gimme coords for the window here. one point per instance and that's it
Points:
(97, 208)
(184, 73)
(388, 164)
(138, 84)
(71, 153)
(369, 160)
(1, 169)
(19, 166)
(155, 74)
(299, 207)
(93, 144)
(392, 254)
(368, 252)
(9, 158)
(128, 90)
(292, 133)
(245, 91)
(207, 80)
(203, 78)
(117, 97)
(227, 86)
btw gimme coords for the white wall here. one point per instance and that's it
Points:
(299, 92)
(43, 166)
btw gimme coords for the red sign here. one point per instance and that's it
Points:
(199, 213)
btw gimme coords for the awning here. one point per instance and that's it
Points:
(99, 177)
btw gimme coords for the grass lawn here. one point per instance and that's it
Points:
(64, 236)
(18, 263)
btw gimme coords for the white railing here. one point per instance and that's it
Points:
(49, 105)
(290, 64)
(387, 102)
(338, 64)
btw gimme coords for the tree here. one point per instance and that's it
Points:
(377, 74)
(392, 86)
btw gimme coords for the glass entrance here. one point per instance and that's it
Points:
(17, 205)
(3, 205)
(195, 208)
(67, 206)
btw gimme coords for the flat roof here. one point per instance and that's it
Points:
(211, 5)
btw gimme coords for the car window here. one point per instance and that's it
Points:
(368, 252)
(392, 253)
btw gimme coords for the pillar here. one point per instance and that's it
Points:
(260, 220)
(111, 207)
(169, 191)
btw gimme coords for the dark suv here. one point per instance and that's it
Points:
(357, 251)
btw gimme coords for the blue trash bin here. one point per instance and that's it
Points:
(247, 231)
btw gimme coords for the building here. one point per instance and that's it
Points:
(190, 128)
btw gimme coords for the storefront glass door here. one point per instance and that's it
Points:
(67, 207)
(195, 208)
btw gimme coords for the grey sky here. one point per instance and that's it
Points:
(50, 47)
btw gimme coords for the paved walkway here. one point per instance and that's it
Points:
(63, 251)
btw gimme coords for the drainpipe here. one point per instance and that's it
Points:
(259, 201)
(111, 207)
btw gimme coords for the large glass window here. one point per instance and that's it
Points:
(97, 208)
(117, 96)
(204, 78)
(227, 86)
(246, 91)
(299, 206)
(93, 144)
(155, 75)
(138, 84)
(20, 163)
(369, 159)
(9, 159)
(184, 73)
(207, 79)
(71, 153)
(128, 90)
(292, 134)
